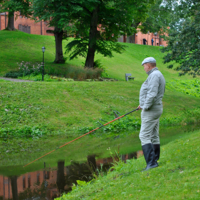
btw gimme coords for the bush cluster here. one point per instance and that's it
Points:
(74, 72)
(190, 87)
(25, 68)
(23, 132)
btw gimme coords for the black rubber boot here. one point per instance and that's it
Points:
(157, 151)
(149, 156)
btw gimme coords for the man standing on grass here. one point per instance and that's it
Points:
(151, 94)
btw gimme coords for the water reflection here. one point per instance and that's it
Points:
(51, 183)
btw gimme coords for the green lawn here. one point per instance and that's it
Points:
(177, 177)
(18, 46)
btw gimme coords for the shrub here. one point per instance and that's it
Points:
(25, 68)
(190, 87)
(74, 72)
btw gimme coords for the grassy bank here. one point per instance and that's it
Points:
(39, 117)
(62, 107)
(177, 177)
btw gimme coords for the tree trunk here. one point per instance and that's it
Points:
(11, 21)
(132, 38)
(92, 39)
(92, 163)
(14, 187)
(59, 50)
(61, 176)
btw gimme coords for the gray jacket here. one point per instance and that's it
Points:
(152, 90)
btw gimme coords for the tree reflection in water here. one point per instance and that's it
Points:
(49, 183)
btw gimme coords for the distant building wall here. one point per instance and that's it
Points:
(40, 28)
(144, 39)
(157, 40)
(3, 21)
(26, 24)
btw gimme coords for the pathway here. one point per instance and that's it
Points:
(15, 79)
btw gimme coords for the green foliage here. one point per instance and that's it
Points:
(114, 18)
(160, 17)
(25, 68)
(33, 72)
(116, 127)
(124, 126)
(15, 5)
(76, 73)
(190, 87)
(183, 41)
(79, 47)
(23, 132)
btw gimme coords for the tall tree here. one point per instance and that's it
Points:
(49, 11)
(100, 22)
(12, 6)
(161, 16)
(184, 41)
(57, 13)
(14, 187)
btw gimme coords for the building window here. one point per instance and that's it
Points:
(38, 178)
(24, 182)
(29, 181)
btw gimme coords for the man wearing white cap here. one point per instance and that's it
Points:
(151, 94)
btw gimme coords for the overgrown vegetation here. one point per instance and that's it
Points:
(31, 71)
(23, 132)
(25, 68)
(183, 40)
(189, 87)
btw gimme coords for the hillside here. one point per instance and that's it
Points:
(40, 116)
(18, 46)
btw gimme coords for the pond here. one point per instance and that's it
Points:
(50, 178)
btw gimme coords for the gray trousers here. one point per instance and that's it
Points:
(149, 132)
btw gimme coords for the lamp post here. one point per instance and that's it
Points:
(43, 50)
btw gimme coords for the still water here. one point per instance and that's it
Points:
(51, 182)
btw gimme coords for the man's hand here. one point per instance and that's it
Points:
(139, 108)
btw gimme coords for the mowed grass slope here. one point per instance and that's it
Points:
(18, 46)
(68, 106)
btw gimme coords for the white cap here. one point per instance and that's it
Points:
(149, 60)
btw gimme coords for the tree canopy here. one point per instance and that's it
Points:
(58, 15)
(12, 6)
(184, 39)
(99, 23)
(160, 16)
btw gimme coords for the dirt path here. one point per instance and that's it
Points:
(15, 79)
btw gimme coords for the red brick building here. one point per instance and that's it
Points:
(144, 39)
(25, 24)
(40, 28)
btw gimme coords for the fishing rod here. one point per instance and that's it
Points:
(82, 136)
